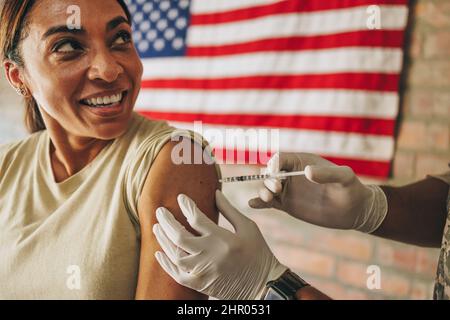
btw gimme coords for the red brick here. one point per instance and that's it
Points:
(402, 257)
(441, 105)
(395, 285)
(434, 73)
(352, 294)
(274, 230)
(427, 260)
(329, 287)
(412, 135)
(438, 136)
(430, 164)
(338, 291)
(352, 273)
(422, 290)
(348, 244)
(437, 45)
(403, 164)
(435, 14)
(418, 104)
(305, 261)
(427, 104)
(416, 45)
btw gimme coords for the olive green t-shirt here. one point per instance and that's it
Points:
(78, 239)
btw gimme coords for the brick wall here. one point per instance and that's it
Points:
(423, 141)
(336, 261)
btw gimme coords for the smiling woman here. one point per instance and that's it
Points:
(83, 188)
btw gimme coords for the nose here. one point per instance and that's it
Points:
(104, 67)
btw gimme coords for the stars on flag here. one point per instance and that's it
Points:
(160, 26)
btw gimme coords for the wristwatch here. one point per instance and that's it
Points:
(285, 287)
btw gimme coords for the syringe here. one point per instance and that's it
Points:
(254, 177)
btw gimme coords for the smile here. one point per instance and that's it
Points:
(104, 101)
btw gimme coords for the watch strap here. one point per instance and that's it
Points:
(286, 286)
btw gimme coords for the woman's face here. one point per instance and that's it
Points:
(86, 79)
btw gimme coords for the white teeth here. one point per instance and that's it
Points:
(104, 100)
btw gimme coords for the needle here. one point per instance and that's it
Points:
(254, 177)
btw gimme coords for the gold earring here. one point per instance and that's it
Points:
(21, 91)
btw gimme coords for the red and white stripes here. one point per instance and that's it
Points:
(311, 68)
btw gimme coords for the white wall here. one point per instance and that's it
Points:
(11, 113)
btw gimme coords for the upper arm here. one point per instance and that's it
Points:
(164, 182)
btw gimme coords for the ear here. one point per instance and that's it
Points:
(13, 73)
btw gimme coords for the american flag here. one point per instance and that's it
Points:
(312, 68)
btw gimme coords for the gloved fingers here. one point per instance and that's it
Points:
(180, 261)
(289, 162)
(264, 201)
(265, 195)
(329, 174)
(175, 231)
(273, 165)
(274, 185)
(196, 218)
(230, 213)
(172, 251)
(191, 263)
(171, 269)
(281, 162)
(257, 203)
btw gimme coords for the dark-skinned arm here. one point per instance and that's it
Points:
(416, 213)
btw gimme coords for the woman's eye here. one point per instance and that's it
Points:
(66, 47)
(122, 38)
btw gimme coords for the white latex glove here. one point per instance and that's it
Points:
(328, 195)
(218, 263)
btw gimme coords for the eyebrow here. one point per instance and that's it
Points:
(114, 23)
(62, 29)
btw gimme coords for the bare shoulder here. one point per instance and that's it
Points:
(167, 178)
(165, 181)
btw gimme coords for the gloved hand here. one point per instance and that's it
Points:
(328, 195)
(218, 263)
